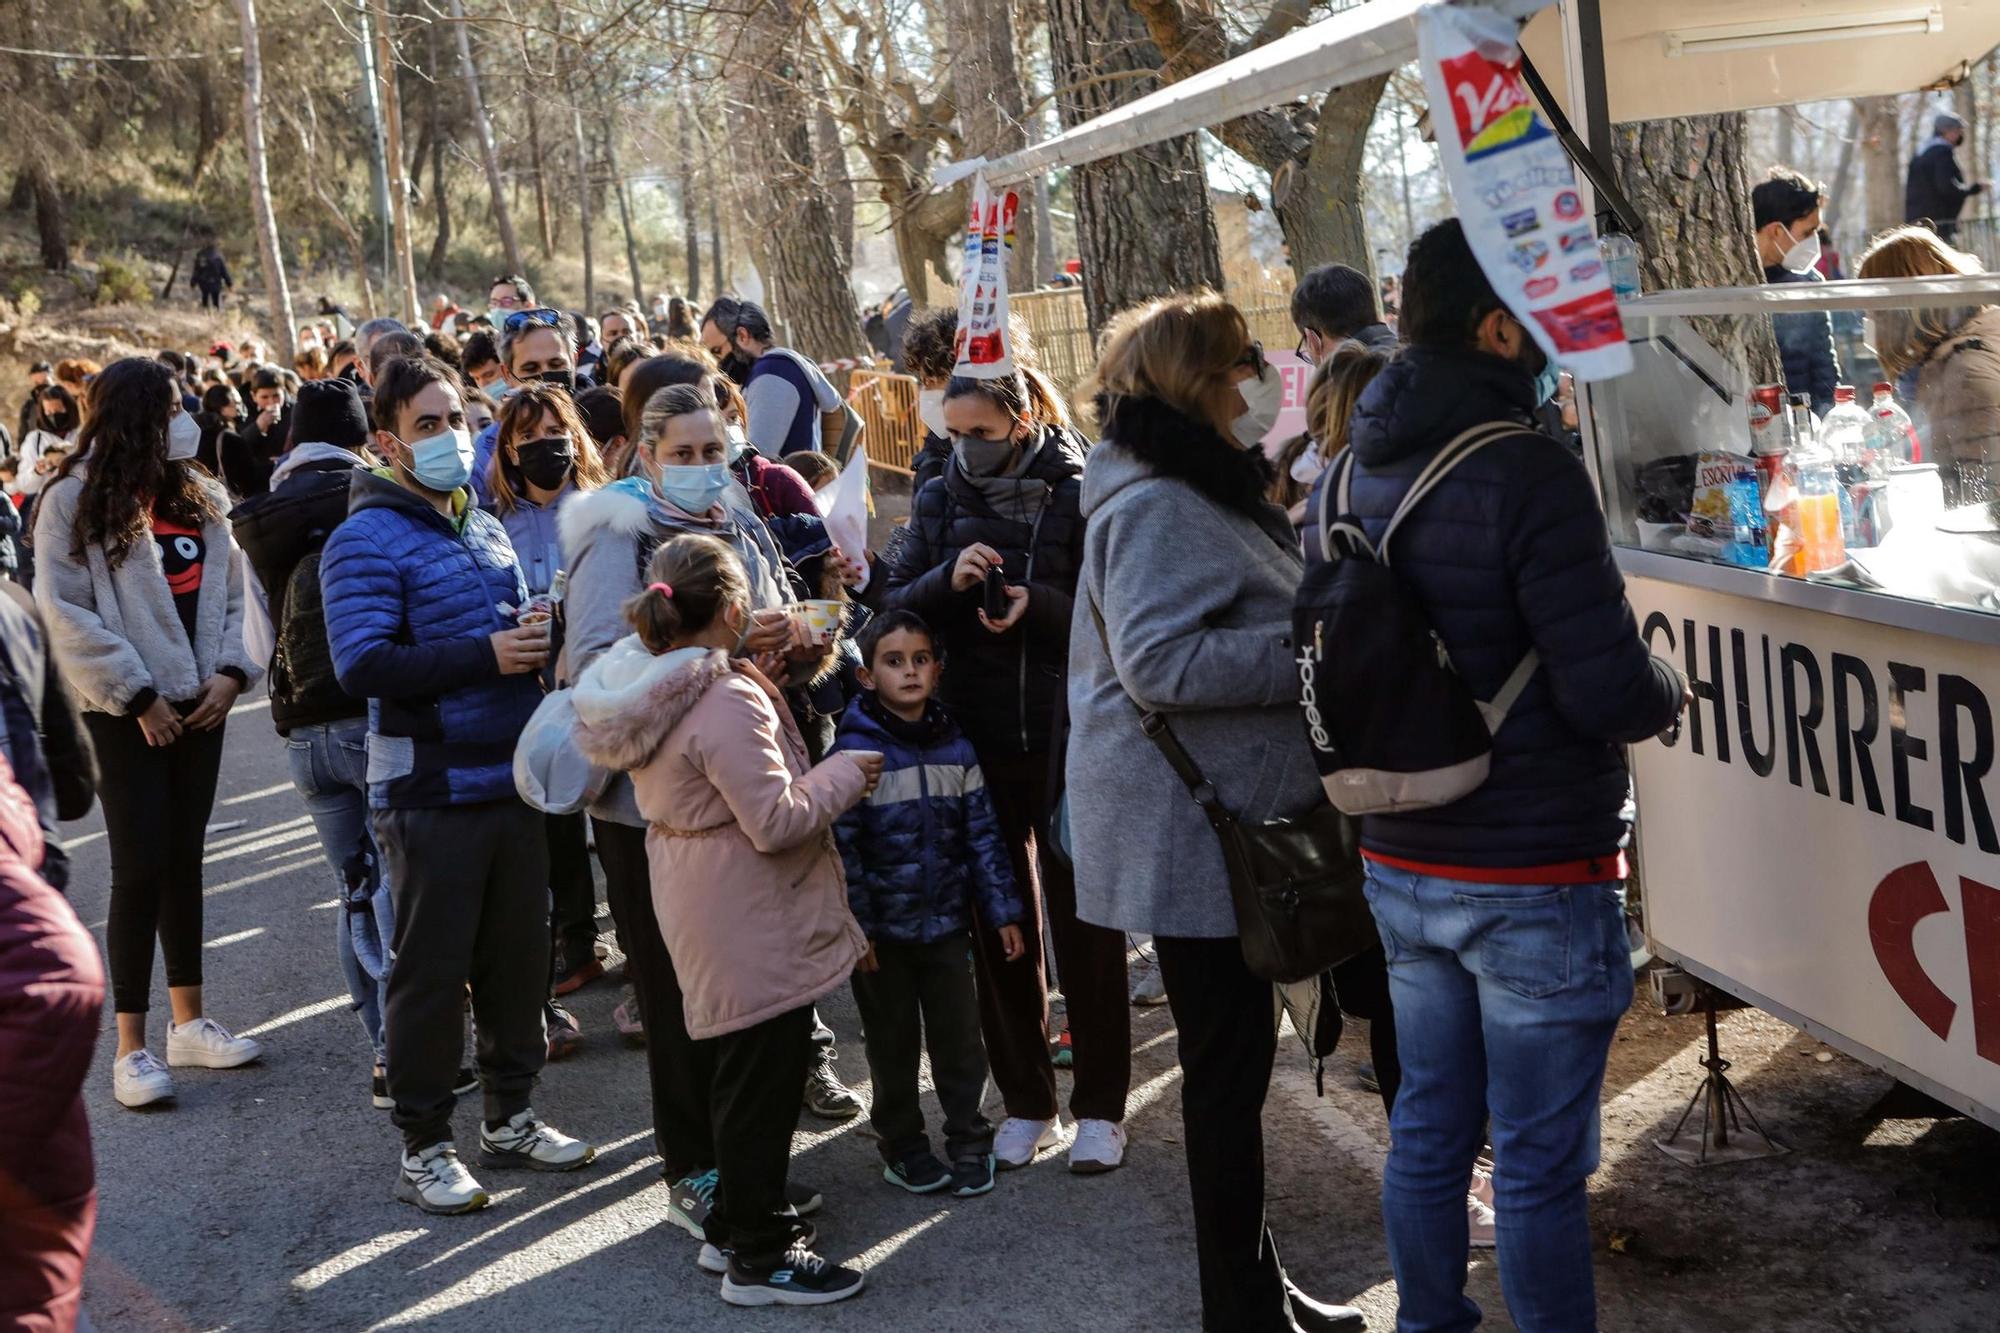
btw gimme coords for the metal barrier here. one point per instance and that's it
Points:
(891, 425)
(1060, 332)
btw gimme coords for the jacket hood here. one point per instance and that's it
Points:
(868, 720)
(1143, 437)
(618, 508)
(375, 488)
(302, 455)
(629, 700)
(1429, 394)
(1982, 328)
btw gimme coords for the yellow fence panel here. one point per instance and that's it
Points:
(891, 425)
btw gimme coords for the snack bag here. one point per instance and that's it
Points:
(1726, 519)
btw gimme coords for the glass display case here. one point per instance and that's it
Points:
(1875, 500)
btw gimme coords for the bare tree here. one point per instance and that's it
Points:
(1881, 161)
(440, 196)
(276, 287)
(992, 108)
(503, 219)
(1143, 219)
(307, 130)
(404, 281)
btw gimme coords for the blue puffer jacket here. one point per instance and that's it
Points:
(411, 600)
(1805, 346)
(924, 845)
(1510, 552)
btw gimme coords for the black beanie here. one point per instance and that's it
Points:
(329, 412)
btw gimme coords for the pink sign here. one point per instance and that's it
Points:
(1298, 373)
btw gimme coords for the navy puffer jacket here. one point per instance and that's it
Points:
(412, 603)
(924, 847)
(1510, 552)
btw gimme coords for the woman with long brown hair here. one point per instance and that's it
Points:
(138, 582)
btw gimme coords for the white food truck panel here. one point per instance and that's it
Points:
(1823, 832)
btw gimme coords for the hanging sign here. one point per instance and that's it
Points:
(981, 345)
(1516, 191)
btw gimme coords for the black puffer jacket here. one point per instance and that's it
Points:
(281, 533)
(1510, 553)
(1001, 688)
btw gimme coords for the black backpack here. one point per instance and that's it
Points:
(1393, 726)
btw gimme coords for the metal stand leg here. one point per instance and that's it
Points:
(1723, 1113)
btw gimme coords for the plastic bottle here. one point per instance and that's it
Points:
(1819, 492)
(1895, 437)
(1620, 254)
(1844, 434)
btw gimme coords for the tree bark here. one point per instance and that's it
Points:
(51, 223)
(583, 200)
(624, 211)
(693, 288)
(1881, 161)
(840, 185)
(503, 218)
(1688, 181)
(357, 249)
(1143, 218)
(440, 201)
(992, 111)
(275, 285)
(787, 198)
(548, 230)
(404, 280)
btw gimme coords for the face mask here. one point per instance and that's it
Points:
(693, 489)
(183, 436)
(1547, 379)
(1307, 466)
(546, 463)
(1262, 399)
(738, 443)
(564, 379)
(930, 409)
(1802, 256)
(981, 458)
(441, 462)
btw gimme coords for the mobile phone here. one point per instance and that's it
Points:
(996, 594)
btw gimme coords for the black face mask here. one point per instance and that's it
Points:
(564, 379)
(547, 463)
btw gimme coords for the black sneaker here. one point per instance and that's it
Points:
(466, 1083)
(378, 1092)
(972, 1176)
(800, 1278)
(688, 1202)
(919, 1173)
(803, 1200)
(827, 1097)
(715, 1259)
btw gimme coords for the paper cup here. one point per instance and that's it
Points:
(528, 618)
(823, 618)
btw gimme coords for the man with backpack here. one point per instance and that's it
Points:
(1470, 690)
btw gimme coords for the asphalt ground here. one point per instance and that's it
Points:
(261, 1199)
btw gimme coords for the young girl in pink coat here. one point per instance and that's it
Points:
(747, 885)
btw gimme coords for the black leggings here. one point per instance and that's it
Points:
(156, 806)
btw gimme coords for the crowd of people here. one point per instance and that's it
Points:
(919, 772)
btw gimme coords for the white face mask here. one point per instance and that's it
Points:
(183, 436)
(1308, 465)
(1263, 398)
(1802, 256)
(930, 407)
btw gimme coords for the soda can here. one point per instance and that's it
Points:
(1767, 419)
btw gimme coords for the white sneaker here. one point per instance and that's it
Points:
(1480, 1225)
(526, 1141)
(208, 1044)
(140, 1080)
(437, 1182)
(1099, 1146)
(1018, 1142)
(1149, 988)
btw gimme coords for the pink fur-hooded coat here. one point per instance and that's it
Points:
(747, 882)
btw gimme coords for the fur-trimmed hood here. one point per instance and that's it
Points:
(629, 700)
(618, 508)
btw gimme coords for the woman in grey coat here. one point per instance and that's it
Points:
(1193, 573)
(138, 581)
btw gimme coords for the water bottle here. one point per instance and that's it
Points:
(1895, 437)
(1620, 254)
(1844, 434)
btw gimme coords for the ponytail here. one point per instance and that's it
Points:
(1025, 393)
(691, 580)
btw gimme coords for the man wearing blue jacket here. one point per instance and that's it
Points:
(1786, 210)
(1500, 912)
(413, 582)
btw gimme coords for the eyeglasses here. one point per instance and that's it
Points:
(539, 318)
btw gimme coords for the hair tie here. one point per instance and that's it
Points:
(665, 590)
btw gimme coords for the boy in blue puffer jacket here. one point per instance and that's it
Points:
(920, 852)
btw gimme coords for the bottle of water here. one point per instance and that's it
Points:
(1844, 434)
(1620, 254)
(1894, 437)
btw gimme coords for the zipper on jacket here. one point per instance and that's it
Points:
(1034, 540)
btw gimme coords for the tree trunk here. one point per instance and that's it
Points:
(51, 224)
(1318, 201)
(404, 280)
(1838, 193)
(693, 288)
(1688, 182)
(440, 200)
(1045, 236)
(992, 113)
(583, 202)
(503, 219)
(283, 332)
(22, 194)
(1143, 220)
(717, 268)
(788, 199)
(624, 211)
(840, 185)
(1881, 161)
(548, 230)
(357, 249)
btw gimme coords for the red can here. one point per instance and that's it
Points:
(1767, 419)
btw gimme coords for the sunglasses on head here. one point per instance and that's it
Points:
(539, 318)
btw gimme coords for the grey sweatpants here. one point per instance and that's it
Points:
(472, 906)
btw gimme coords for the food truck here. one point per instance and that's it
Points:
(1820, 838)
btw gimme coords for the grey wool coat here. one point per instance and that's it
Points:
(1194, 574)
(115, 632)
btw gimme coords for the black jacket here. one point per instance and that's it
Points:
(1805, 346)
(1001, 688)
(930, 461)
(1510, 552)
(281, 533)
(1934, 191)
(250, 455)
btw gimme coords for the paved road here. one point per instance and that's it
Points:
(261, 1201)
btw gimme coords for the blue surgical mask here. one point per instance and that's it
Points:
(1547, 380)
(693, 489)
(441, 462)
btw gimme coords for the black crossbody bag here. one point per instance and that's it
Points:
(1296, 884)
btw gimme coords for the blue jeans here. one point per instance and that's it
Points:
(1506, 998)
(330, 768)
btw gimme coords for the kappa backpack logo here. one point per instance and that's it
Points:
(1392, 724)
